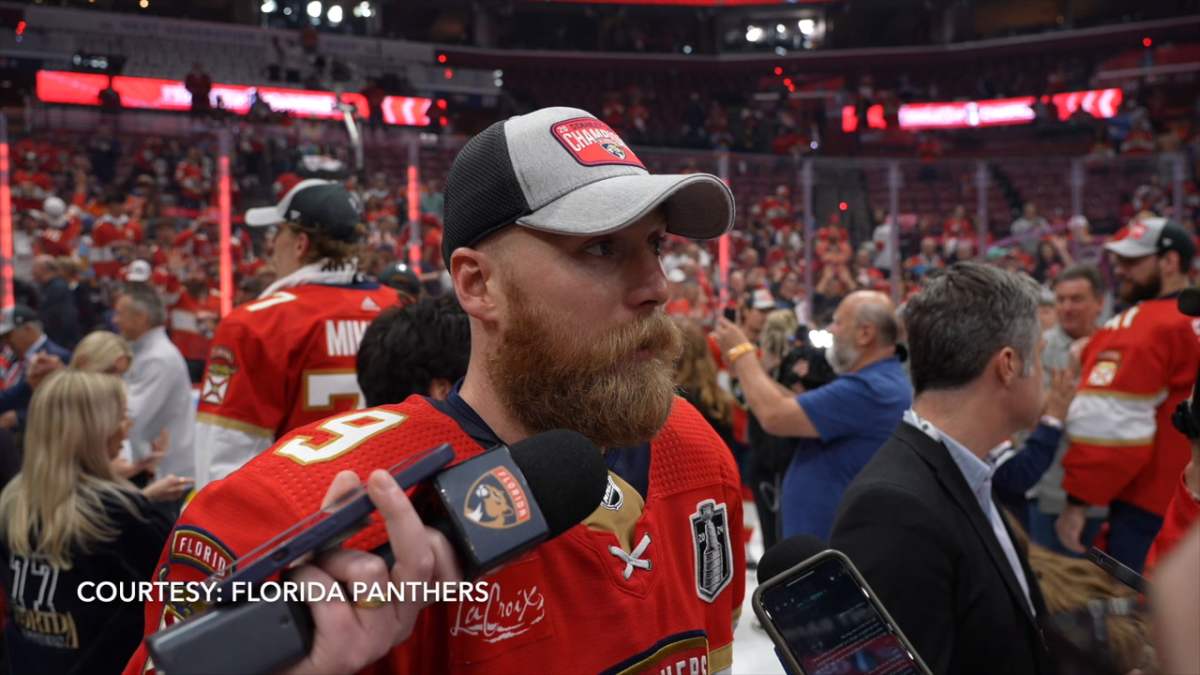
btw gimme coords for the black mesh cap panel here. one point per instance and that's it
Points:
(482, 193)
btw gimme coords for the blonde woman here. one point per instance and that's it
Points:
(67, 520)
(776, 339)
(1070, 584)
(696, 378)
(104, 352)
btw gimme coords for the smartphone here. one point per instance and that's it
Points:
(327, 528)
(825, 619)
(1118, 570)
(731, 314)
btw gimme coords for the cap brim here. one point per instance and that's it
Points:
(1129, 248)
(698, 206)
(264, 216)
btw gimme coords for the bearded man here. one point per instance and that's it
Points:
(1124, 452)
(553, 235)
(843, 423)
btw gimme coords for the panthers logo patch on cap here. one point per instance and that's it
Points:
(593, 143)
(496, 500)
(614, 150)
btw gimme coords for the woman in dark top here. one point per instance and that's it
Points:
(68, 519)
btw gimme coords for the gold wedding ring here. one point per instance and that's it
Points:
(369, 604)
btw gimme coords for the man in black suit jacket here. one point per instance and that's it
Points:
(56, 307)
(919, 521)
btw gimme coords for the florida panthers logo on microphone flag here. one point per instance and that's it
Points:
(496, 500)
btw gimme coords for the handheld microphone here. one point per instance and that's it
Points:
(1189, 301)
(788, 553)
(492, 508)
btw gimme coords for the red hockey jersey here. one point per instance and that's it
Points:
(1181, 515)
(107, 234)
(572, 605)
(1136, 369)
(183, 319)
(59, 241)
(278, 363)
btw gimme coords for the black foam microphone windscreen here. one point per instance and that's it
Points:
(1189, 301)
(566, 473)
(787, 554)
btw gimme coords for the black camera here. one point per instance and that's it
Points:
(1186, 417)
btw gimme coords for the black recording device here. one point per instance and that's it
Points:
(823, 616)
(1119, 571)
(492, 508)
(805, 365)
(1079, 638)
(1186, 417)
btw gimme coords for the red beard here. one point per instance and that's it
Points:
(617, 389)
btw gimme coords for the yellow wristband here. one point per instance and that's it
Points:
(739, 351)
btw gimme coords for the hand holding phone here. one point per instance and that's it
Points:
(823, 617)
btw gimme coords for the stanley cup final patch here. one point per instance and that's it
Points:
(593, 143)
(714, 556)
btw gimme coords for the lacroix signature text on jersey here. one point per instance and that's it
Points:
(593, 143)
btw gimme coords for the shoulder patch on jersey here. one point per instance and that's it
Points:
(222, 354)
(369, 304)
(221, 367)
(216, 385)
(613, 497)
(1104, 371)
(713, 553)
(199, 549)
(174, 612)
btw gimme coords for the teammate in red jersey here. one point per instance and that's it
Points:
(1124, 452)
(553, 229)
(287, 359)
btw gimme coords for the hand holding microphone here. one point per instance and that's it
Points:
(348, 636)
(462, 522)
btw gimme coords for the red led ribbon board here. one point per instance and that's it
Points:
(1099, 103)
(146, 93)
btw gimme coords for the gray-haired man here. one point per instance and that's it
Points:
(159, 387)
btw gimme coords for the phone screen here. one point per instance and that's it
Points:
(831, 626)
